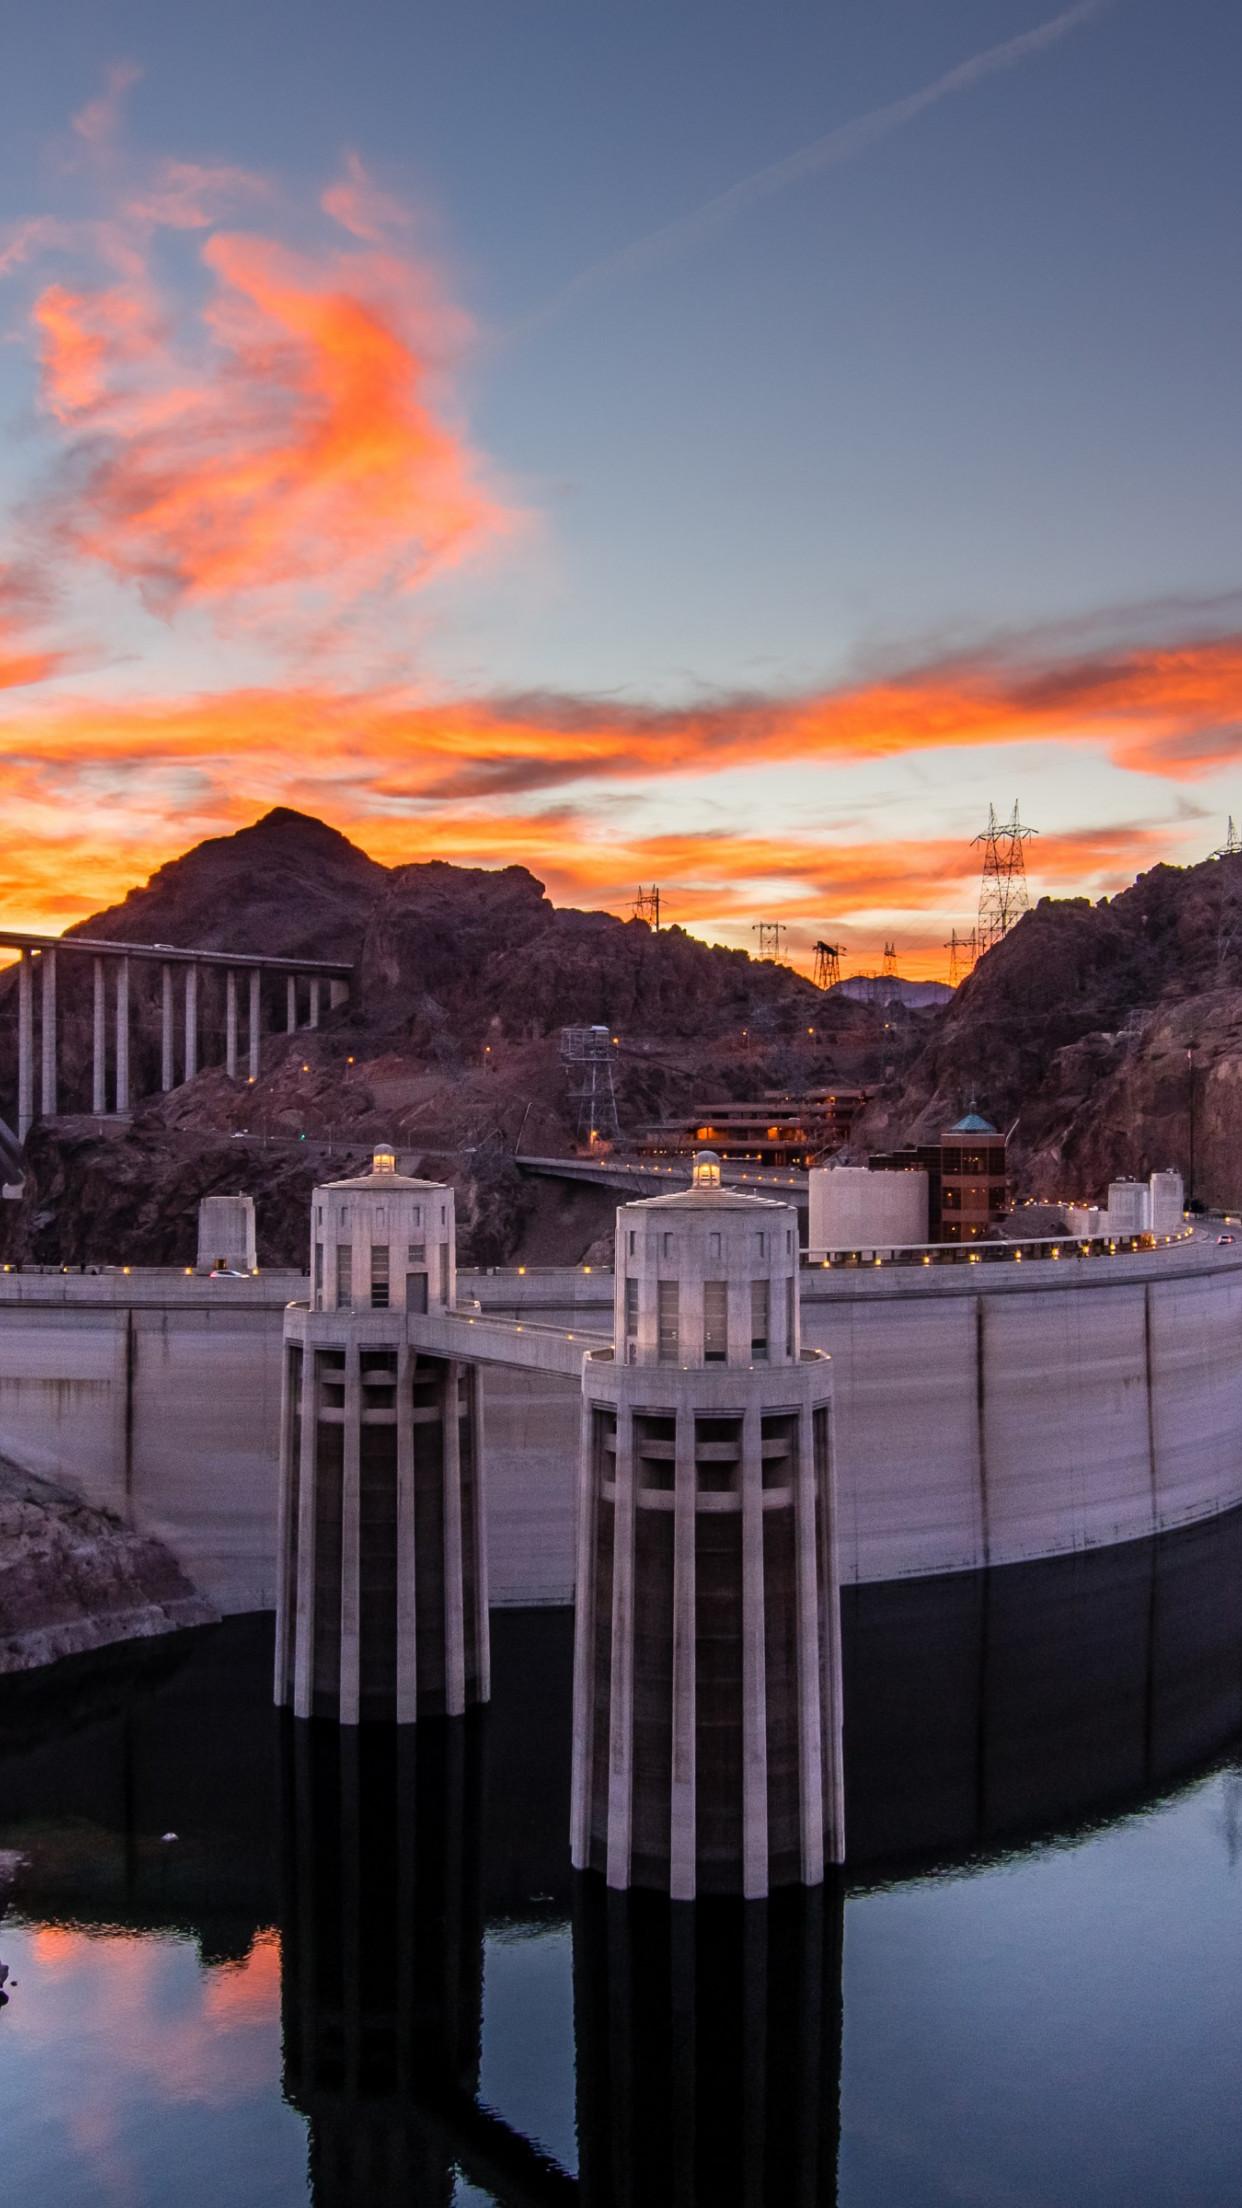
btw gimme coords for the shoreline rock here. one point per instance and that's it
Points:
(74, 1578)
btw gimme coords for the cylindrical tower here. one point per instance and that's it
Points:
(707, 1681)
(382, 1586)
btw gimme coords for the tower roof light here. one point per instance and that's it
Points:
(705, 1172)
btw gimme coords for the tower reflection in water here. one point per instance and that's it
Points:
(707, 2034)
(382, 1951)
(982, 1713)
(709, 2042)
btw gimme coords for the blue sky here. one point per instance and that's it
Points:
(964, 391)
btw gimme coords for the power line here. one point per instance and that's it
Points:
(647, 907)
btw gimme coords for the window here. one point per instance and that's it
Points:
(344, 1276)
(791, 1317)
(631, 1307)
(789, 1241)
(319, 1275)
(668, 1324)
(381, 1217)
(444, 1215)
(715, 1322)
(713, 1245)
(343, 1216)
(319, 1215)
(418, 1215)
(416, 1254)
(379, 1276)
(416, 1291)
(763, 1243)
(666, 1245)
(760, 1308)
(633, 1241)
(444, 1272)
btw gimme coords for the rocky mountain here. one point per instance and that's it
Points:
(449, 1045)
(1111, 1034)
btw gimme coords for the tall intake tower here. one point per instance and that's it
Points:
(382, 1586)
(707, 1682)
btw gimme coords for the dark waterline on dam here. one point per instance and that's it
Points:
(260, 1962)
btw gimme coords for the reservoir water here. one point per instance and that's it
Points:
(254, 1962)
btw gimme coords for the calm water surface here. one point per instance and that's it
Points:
(254, 1962)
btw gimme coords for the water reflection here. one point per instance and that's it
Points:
(706, 2040)
(709, 2041)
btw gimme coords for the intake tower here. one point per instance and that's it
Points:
(707, 1686)
(382, 1579)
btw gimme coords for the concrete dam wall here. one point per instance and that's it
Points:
(984, 1414)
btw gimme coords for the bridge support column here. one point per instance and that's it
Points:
(291, 1004)
(122, 1037)
(25, 1044)
(191, 1022)
(230, 1024)
(48, 1036)
(314, 1001)
(338, 992)
(166, 1030)
(256, 1008)
(99, 1052)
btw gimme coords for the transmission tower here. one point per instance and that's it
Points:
(647, 907)
(1002, 892)
(587, 1054)
(828, 958)
(963, 951)
(890, 962)
(1232, 844)
(769, 933)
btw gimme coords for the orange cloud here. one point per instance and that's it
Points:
(304, 451)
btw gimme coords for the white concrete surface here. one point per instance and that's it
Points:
(852, 1208)
(983, 1413)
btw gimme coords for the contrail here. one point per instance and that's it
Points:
(829, 152)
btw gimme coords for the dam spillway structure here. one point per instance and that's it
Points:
(381, 1576)
(707, 1672)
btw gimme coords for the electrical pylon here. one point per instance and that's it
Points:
(828, 964)
(1002, 892)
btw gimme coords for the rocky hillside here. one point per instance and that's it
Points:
(1097, 1028)
(73, 1578)
(449, 1046)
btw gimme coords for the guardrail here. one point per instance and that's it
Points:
(1033, 1249)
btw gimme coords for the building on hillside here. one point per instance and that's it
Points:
(775, 1129)
(967, 1186)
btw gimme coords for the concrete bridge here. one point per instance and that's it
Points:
(113, 961)
(634, 1177)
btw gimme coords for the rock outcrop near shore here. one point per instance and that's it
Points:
(73, 1578)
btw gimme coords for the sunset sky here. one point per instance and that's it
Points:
(681, 440)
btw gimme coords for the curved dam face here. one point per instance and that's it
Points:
(987, 1417)
(984, 1415)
